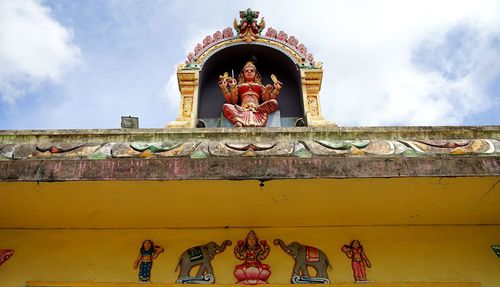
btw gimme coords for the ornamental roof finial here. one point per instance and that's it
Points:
(247, 28)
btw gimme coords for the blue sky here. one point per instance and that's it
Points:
(84, 64)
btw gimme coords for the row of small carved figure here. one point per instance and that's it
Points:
(252, 251)
(208, 41)
(227, 33)
(248, 25)
(292, 41)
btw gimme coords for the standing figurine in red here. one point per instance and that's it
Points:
(359, 261)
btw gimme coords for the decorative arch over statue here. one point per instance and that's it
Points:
(226, 52)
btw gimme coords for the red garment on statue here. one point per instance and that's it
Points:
(247, 117)
(358, 267)
(250, 113)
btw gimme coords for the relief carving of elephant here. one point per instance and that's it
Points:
(199, 255)
(306, 256)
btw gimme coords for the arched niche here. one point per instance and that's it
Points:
(268, 61)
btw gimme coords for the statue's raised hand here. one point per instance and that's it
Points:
(278, 85)
(269, 88)
(223, 83)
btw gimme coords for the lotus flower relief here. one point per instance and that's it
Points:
(251, 251)
(251, 275)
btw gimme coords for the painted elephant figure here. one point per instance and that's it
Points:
(200, 255)
(306, 256)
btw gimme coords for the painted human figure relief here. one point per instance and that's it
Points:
(5, 254)
(359, 261)
(148, 252)
(252, 252)
(199, 256)
(248, 101)
(305, 256)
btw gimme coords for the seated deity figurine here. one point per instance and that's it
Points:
(252, 271)
(249, 103)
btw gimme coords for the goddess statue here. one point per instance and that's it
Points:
(252, 251)
(248, 102)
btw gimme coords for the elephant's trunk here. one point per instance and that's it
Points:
(282, 245)
(222, 247)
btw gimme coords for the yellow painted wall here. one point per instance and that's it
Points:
(398, 253)
(220, 203)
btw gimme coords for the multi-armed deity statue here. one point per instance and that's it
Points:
(248, 101)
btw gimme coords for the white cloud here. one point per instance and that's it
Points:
(371, 74)
(34, 48)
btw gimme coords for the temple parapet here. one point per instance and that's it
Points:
(306, 152)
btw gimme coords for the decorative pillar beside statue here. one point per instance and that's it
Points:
(188, 87)
(311, 85)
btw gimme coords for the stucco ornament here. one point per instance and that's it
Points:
(271, 33)
(227, 33)
(282, 36)
(217, 36)
(305, 256)
(252, 252)
(247, 28)
(199, 256)
(293, 41)
(207, 41)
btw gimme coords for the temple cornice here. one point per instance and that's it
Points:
(251, 153)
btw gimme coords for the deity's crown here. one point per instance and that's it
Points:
(249, 64)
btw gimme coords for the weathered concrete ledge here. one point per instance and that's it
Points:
(260, 153)
(298, 133)
(246, 168)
